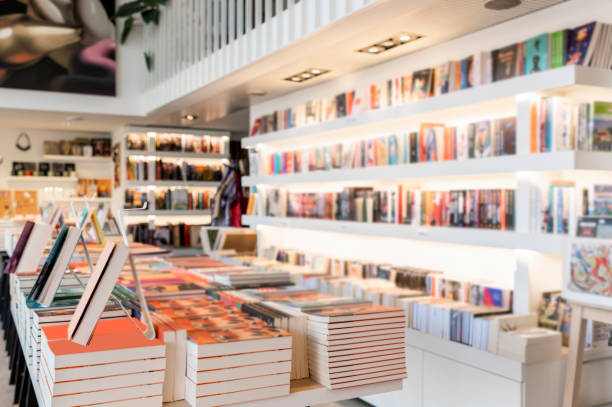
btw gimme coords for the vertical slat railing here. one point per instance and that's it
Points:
(199, 41)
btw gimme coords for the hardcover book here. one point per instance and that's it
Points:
(536, 54)
(505, 62)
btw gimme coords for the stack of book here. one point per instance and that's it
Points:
(240, 278)
(119, 367)
(355, 345)
(235, 360)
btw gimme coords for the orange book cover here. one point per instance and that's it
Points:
(235, 333)
(533, 128)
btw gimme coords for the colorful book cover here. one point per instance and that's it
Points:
(393, 150)
(579, 42)
(601, 126)
(421, 84)
(370, 160)
(536, 54)
(602, 200)
(231, 329)
(482, 139)
(590, 269)
(381, 151)
(509, 135)
(11, 265)
(341, 105)
(466, 71)
(558, 45)
(406, 88)
(505, 62)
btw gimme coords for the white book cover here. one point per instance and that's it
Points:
(34, 248)
(221, 362)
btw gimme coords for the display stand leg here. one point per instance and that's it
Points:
(575, 357)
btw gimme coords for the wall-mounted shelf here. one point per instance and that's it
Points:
(545, 243)
(176, 154)
(173, 183)
(77, 200)
(62, 158)
(481, 100)
(41, 182)
(557, 161)
(170, 212)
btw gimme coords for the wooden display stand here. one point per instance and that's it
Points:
(575, 357)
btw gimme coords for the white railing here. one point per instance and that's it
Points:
(199, 41)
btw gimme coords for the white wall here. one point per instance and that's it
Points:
(10, 153)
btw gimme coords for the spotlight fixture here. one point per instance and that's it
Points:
(390, 43)
(191, 117)
(501, 4)
(306, 75)
(257, 92)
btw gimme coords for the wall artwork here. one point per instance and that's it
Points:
(58, 45)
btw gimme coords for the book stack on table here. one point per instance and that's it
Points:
(238, 359)
(119, 367)
(355, 345)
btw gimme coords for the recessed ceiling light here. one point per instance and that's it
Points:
(390, 43)
(191, 117)
(307, 74)
(405, 38)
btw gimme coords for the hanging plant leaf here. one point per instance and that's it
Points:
(149, 60)
(150, 16)
(127, 27)
(127, 9)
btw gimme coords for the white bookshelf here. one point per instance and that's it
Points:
(80, 158)
(169, 212)
(555, 161)
(501, 239)
(176, 154)
(441, 372)
(17, 182)
(482, 100)
(174, 183)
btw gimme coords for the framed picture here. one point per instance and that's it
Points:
(62, 46)
(587, 272)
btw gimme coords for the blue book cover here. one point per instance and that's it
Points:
(536, 54)
(559, 213)
(393, 150)
(580, 38)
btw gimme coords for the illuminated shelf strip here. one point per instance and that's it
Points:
(468, 100)
(559, 161)
(545, 243)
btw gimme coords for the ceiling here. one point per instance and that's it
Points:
(224, 103)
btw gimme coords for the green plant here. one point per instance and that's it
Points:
(149, 10)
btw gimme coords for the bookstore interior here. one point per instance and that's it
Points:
(294, 203)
